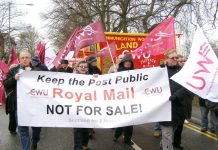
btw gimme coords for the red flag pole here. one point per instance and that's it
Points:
(110, 54)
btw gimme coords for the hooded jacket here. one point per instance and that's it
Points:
(121, 67)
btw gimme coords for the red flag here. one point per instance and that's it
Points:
(12, 57)
(108, 51)
(38, 48)
(3, 72)
(90, 34)
(41, 53)
(160, 40)
(64, 51)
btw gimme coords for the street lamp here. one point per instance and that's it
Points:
(9, 19)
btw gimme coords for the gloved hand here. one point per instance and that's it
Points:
(172, 98)
(162, 65)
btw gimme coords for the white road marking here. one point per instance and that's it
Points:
(135, 146)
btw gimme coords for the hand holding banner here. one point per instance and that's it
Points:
(76, 100)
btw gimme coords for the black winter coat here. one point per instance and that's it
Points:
(94, 70)
(68, 70)
(10, 85)
(202, 102)
(182, 105)
(42, 67)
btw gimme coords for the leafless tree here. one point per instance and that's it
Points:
(4, 17)
(129, 15)
(4, 27)
(27, 40)
(9, 15)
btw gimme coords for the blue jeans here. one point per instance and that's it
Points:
(157, 127)
(204, 118)
(24, 135)
(25, 138)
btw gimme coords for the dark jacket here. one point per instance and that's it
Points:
(68, 70)
(10, 85)
(182, 102)
(202, 102)
(42, 67)
(126, 57)
(121, 67)
(53, 69)
(94, 69)
(214, 111)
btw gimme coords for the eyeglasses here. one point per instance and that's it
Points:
(83, 66)
(174, 58)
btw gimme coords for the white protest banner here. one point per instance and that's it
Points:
(54, 99)
(199, 74)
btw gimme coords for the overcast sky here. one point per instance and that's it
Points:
(32, 13)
